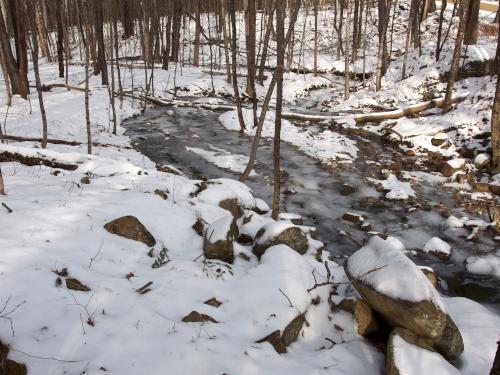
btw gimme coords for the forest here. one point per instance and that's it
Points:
(250, 187)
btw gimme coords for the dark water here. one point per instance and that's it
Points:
(163, 137)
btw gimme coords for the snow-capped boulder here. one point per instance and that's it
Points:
(408, 354)
(436, 246)
(394, 286)
(481, 160)
(130, 227)
(450, 167)
(219, 237)
(275, 233)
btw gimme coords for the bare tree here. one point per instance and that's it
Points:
(452, 76)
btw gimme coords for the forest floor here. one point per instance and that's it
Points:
(70, 289)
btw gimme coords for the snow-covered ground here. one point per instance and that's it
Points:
(57, 222)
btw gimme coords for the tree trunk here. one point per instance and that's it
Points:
(346, 52)
(495, 129)
(452, 76)
(471, 26)
(101, 66)
(232, 15)
(265, 46)
(196, 57)
(127, 22)
(60, 38)
(280, 66)
(2, 185)
(34, 56)
(250, 29)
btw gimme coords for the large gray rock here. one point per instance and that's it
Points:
(130, 227)
(408, 354)
(396, 288)
(277, 233)
(219, 237)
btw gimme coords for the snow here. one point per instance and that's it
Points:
(437, 245)
(326, 146)
(396, 190)
(223, 158)
(412, 360)
(385, 268)
(58, 222)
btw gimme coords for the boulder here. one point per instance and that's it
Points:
(396, 288)
(362, 314)
(276, 233)
(130, 227)
(408, 354)
(218, 240)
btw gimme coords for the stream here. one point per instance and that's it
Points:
(318, 194)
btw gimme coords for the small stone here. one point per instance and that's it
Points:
(199, 226)
(75, 284)
(162, 193)
(353, 218)
(438, 141)
(347, 189)
(196, 317)
(213, 302)
(410, 152)
(130, 227)
(85, 180)
(245, 239)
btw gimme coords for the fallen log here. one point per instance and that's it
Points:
(51, 86)
(6, 156)
(405, 111)
(32, 139)
(358, 118)
(60, 141)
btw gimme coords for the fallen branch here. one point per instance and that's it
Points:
(9, 210)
